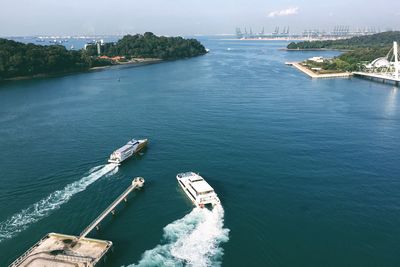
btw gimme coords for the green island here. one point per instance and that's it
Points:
(357, 51)
(19, 60)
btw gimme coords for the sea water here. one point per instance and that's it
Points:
(307, 170)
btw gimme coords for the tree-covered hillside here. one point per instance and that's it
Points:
(19, 59)
(149, 45)
(362, 50)
(383, 39)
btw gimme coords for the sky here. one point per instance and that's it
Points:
(189, 17)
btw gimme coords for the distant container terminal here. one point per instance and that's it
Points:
(279, 33)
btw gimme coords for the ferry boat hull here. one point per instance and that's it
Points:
(197, 190)
(127, 151)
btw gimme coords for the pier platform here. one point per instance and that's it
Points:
(60, 250)
(314, 75)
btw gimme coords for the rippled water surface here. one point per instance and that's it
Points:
(307, 170)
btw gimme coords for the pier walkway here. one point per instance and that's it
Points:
(136, 183)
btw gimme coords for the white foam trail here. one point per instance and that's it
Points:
(112, 172)
(20, 221)
(95, 168)
(193, 240)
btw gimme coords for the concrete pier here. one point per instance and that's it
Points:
(314, 75)
(136, 183)
(60, 250)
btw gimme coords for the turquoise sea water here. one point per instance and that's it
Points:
(307, 170)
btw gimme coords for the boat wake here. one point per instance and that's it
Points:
(193, 240)
(21, 221)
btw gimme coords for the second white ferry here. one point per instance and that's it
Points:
(132, 147)
(197, 189)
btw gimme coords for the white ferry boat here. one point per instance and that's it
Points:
(132, 147)
(197, 189)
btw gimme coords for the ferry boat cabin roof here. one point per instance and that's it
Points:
(202, 187)
(123, 149)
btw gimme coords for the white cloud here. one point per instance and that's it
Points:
(284, 12)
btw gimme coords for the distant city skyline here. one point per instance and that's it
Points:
(189, 17)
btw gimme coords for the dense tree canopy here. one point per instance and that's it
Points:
(149, 45)
(383, 39)
(18, 59)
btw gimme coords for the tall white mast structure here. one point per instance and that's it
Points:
(396, 60)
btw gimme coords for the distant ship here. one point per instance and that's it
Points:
(197, 189)
(56, 41)
(123, 153)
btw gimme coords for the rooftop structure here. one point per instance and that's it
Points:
(381, 62)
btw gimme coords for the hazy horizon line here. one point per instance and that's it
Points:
(83, 35)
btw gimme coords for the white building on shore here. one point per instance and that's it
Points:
(317, 59)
